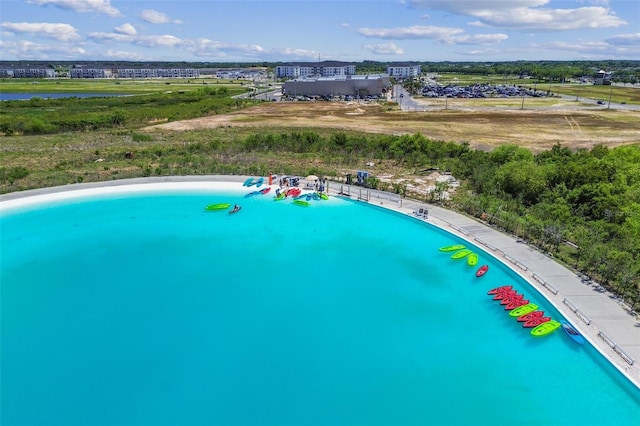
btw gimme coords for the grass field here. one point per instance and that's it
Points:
(535, 129)
(128, 86)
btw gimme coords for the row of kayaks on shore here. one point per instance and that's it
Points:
(254, 181)
(297, 195)
(298, 198)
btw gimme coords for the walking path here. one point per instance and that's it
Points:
(598, 315)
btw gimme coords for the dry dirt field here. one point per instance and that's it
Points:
(535, 129)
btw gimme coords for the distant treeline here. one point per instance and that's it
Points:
(623, 70)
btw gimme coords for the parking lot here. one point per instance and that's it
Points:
(480, 91)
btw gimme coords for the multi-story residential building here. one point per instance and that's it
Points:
(33, 73)
(90, 73)
(404, 70)
(158, 73)
(315, 69)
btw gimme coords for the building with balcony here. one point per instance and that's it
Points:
(404, 70)
(315, 69)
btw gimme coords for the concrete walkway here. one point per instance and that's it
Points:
(606, 322)
(603, 320)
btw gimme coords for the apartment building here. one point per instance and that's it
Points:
(404, 70)
(143, 73)
(315, 69)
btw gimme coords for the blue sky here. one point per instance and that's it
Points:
(308, 30)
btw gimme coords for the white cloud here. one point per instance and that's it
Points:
(478, 39)
(62, 32)
(442, 34)
(157, 40)
(205, 47)
(126, 28)
(125, 38)
(384, 49)
(526, 15)
(123, 55)
(414, 32)
(81, 6)
(293, 53)
(37, 51)
(587, 49)
(154, 17)
(625, 40)
(140, 40)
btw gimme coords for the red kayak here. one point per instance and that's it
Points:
(505, 295)
(500, 289)
(293, 192)
(532, 315)
(482, 270)
(534, 322)
(265, 190)
(510, 299)
(515, 304)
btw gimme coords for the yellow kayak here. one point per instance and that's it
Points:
(460, 254)
(472, 260)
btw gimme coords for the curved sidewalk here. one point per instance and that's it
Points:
(602, 319)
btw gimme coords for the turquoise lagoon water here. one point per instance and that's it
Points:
(146, 310)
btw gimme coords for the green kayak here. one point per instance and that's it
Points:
(452, 248)
(218, 206)
(460, 254)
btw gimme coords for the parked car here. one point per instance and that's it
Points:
(600, 102)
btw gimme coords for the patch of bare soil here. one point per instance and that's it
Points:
(537, 129)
